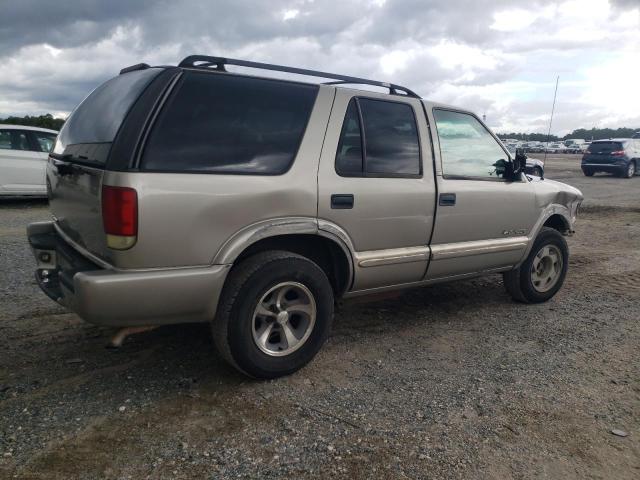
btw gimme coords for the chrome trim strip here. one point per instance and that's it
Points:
(394, 256)
(478, 247)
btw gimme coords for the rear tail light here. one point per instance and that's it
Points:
(120, 216)
(617, 153)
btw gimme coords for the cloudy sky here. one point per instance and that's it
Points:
(496, 57)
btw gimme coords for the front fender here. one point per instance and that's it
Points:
(554, 209)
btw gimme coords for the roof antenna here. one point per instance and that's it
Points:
(551, 119)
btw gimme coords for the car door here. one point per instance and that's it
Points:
(482, 219)
(42, 144)
(376, 187)
(22, 168)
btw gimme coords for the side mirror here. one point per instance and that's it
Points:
(519, 163)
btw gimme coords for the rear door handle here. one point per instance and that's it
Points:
(342, 201)
(447, 199)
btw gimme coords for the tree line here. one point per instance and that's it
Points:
(583, 133)
(42, 121)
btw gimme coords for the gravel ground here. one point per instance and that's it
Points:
(449, 381)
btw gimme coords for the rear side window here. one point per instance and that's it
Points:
(605, 147)
(349, 158)
(384, 144)
(97, 119)
(14, 140)
(218, 123)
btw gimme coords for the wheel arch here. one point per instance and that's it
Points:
(299, 235)
(555, 216)
(558, 222)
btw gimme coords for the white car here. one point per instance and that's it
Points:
(23, 159)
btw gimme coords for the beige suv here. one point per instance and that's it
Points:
(193, 194)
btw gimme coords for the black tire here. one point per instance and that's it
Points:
(588, 173)
(537, 171)
(518, 282)
(247, 283)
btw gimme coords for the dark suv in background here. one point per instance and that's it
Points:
(620, 156)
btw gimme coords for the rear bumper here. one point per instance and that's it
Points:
(122, 298)
(604, 167)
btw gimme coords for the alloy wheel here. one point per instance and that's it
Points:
(546, 268)
(284, 318)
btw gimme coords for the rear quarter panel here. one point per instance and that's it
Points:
(185, 219)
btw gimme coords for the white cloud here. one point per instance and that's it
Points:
(290, 14)
(513, 19)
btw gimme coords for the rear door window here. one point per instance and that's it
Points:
(222, 123)
(11, 139)
(383, 144)
(604, 148)
(93, 125)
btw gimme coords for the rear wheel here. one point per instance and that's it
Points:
(537, 171)
(542, 274)
(275, 314)
(630, 170)
(588, 173)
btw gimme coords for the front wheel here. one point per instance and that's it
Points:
(537, 171)
(275, 313)
(542, 274)
(588, 173)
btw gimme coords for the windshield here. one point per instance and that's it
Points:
(97, 119)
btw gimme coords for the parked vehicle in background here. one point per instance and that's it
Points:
(23, 159)
(575, 145)
(534, 166)
(555, 148)
(253, 203)
(636, 135)
(532, 147)
(620, 156)
(537, 148)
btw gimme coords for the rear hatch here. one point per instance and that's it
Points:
(603, 153)
(77, 164)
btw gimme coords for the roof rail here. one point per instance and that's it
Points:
(133, 68)
(218, 63)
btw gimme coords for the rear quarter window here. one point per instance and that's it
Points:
(221, 123)
(97, 119)
(14, 140)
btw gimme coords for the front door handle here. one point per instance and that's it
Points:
(447, 199)
(342, 201)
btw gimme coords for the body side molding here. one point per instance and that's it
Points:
(374, 258)
(478, 247)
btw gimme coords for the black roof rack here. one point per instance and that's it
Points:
(133, 68)
(218, 63)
